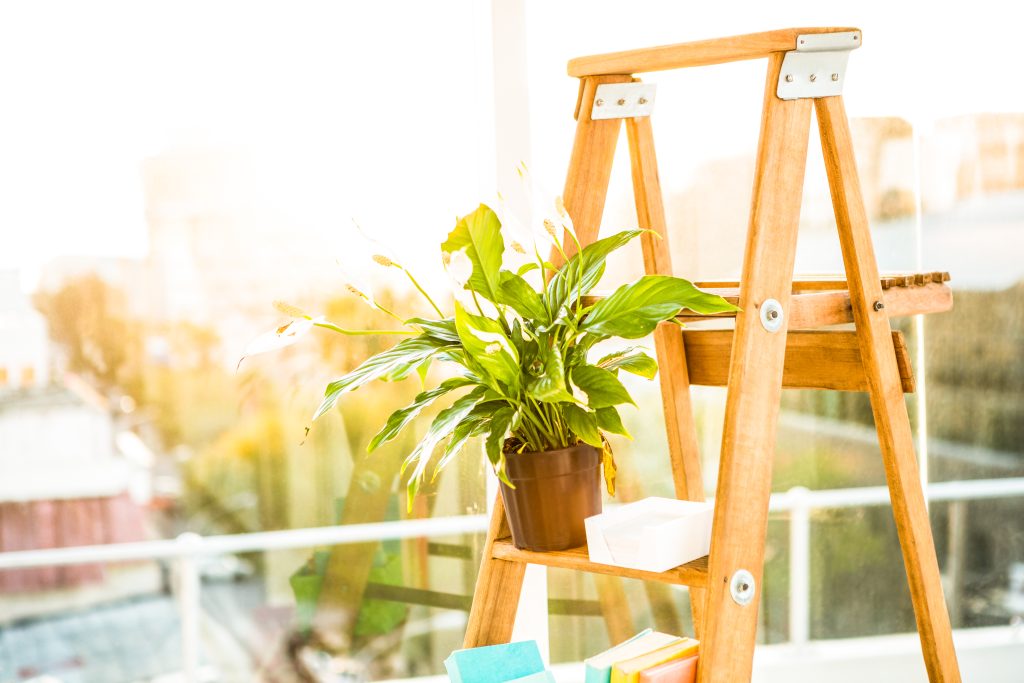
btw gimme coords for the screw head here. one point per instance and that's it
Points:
(813, 78)
(622, 101)
(598, 102)
(773, 314)
(879, 306)
(789, 78)
(642, 100)
(835, 77)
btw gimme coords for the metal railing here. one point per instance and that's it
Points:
(187, 548)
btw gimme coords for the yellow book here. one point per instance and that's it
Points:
(628, 671)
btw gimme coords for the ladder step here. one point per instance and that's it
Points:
(816, 359)
(691, 574)
(812, 308)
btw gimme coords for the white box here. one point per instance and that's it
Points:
(653, 534)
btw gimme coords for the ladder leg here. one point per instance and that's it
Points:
(496, 596)
(681, 431)
(590, 166)
(586, 187)
(887, 402)
(755, 387)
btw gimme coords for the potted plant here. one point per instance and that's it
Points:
(526, 380)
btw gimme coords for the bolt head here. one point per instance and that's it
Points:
(789, 78)
(642, 100)
(879, 305)
(835, 77)
(598, 102)
(622, 101)
(773, 314)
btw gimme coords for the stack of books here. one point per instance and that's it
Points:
(515, 662)
(648, 657)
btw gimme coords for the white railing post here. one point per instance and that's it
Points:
(189, 587)
(799, 565)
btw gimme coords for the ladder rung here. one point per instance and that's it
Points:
(838, 282)
(813, 309)
(816, 359)
(692, 574)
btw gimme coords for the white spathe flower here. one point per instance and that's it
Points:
(280, 337)
(459, 267)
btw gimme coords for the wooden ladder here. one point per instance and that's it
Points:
(774, 343)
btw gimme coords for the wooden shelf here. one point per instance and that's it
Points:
(692, 574)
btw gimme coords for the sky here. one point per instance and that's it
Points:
(382, 110)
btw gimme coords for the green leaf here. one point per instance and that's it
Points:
(582, 423)
(406, 354)
(485, 342)
(516, 292)
(633, 311)
(583, 271)
(548, 369)
(500, 422)
(479, 234)
(527, 268)
(609, 420)
(601, 386)
(440, 428)
(474, 424)
(631, 360)
(439, 329)
(400, 418)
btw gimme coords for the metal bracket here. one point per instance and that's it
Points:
(817, 68)
(742, 587)
(623, 100)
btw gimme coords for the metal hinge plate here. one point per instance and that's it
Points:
(817, 68)
(623, 100)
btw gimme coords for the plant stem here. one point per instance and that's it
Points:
(421, 290)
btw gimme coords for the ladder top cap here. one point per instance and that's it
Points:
(698, 53)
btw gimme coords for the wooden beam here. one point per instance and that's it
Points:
(590, 167)
(498, 585)
(697, 53)
(680, 428)
(890, 410)
(821, 359)
(755, 388)
(692, 574)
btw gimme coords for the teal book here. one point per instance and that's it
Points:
(539, 677)
(495, 663)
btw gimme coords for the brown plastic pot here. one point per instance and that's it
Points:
(554, 492)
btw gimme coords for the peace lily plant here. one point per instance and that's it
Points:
(520, 341)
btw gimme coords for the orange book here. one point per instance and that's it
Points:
(676, 671)
(628, 671)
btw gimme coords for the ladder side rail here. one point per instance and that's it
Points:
(890, 411)
(755, 386)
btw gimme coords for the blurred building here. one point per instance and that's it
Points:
(66, 482)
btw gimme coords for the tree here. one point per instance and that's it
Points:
(87, 319)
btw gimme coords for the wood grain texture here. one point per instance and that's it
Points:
(590, 167)
(809, 310)
(820, 359)
(498, 585)
(692, 574)
(887, 404)
(697, 53)
(755, 386)
(680, 428)
(838, 282)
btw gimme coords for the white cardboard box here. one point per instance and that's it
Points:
(653, 534)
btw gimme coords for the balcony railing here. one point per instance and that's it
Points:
(188, 548)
